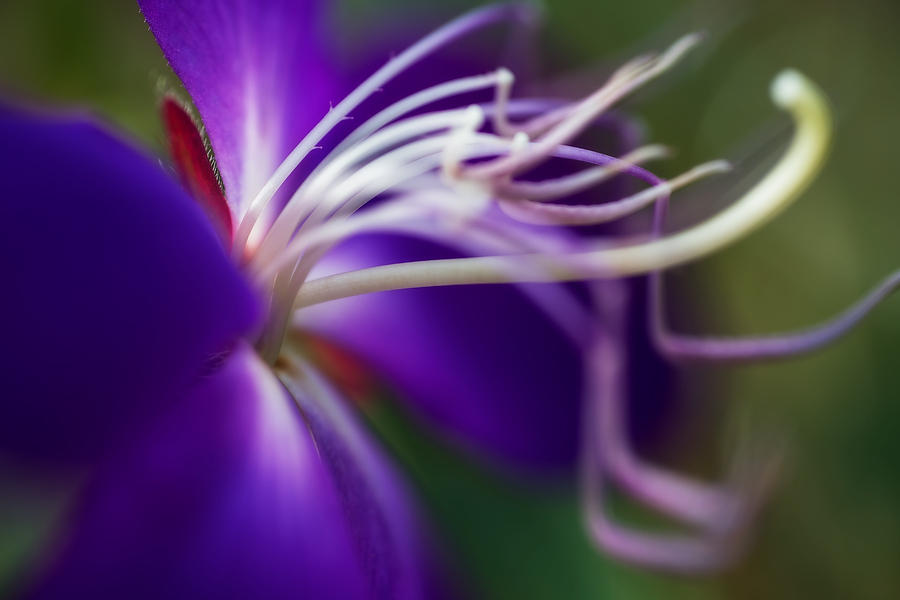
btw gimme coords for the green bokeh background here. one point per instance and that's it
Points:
(832, 530)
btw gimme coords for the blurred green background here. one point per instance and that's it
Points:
(832, 529)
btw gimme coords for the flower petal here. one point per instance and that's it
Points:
(234, 495)
(257, 74)
(483, 363)
(378, 510)
(116, 291)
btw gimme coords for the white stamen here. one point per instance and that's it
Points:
(409, 104)
(520, 141)
(471, 122)
(542, 191)
(505, 81)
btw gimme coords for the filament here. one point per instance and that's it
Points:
(542, 191)
(537, 213)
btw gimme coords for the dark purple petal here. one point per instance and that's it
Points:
(257, 74)
(234, 494)
(116, 290)
(483, 363)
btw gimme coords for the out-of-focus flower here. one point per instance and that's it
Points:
(157, 342)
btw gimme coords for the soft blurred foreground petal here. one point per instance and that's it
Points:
(382, 518)
(256, 72)
(116, 291)
(236, 495)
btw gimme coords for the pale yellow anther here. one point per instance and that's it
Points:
(520, 141)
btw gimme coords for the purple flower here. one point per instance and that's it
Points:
(159, 339)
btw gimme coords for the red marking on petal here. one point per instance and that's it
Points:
(194, 167)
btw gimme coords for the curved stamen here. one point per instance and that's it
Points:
(766, 347)
(454, 151)
(710, 506)
(540, 124)
(619, 85)
(722, 512)
(552, 189)
(500, 119)
(537, 213)
(752, 348)
(783, 184)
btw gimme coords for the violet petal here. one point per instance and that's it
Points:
(116, 292)
(235, 495)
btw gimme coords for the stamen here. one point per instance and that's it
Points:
(722, 513)
(537, 213)
(702, 504)
(409, 104)
(392, 216)
(393, 169)
(551, 189)
(767, 347)
(542, 123)
(680, 553)
(783, 184)
(500, 121)
(453, 154)
(520, 141)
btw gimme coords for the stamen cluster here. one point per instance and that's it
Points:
(438, 173)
